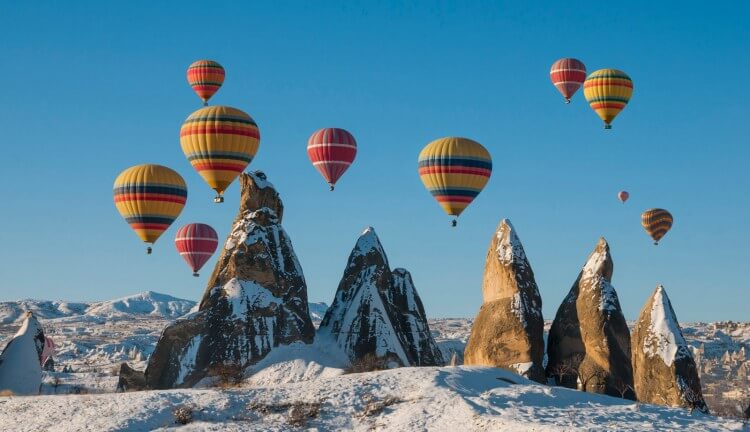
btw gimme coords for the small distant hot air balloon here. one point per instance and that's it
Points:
(454, 170)
(568, 74)
(149, 197)
(608, 91)
(656, 222)
(219, 142)
(205, 77)
(48, 350)
(331, 151)
(623, 196)
(196, 242)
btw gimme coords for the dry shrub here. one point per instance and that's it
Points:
(6, 393)
(183, 415)
(367, 363)
(374, 407)
(300, 412)
(229, 375)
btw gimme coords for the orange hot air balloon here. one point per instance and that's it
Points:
(205, 77)
(656, 222)
(623, 196)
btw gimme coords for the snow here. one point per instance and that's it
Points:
(260, 180)
(428, 398)
(592, 273)
(509, 248)
(20, 371)
(367, 242)
(187, 359)
(664, 337)
(522, 368)
(240, 291)
(317, 311)
(145, 303)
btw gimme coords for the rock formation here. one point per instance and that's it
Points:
(377, 312)
(664, 370)
(20, 360)
(508, 332)
(589, 342)
(256, 299)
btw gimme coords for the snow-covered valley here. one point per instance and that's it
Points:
(307, 386)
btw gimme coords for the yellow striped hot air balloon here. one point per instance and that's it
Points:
(608, 91)
(149, 198)
(656, 222)
(219, 142)
(454, 170)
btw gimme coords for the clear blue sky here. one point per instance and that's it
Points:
(90, 88)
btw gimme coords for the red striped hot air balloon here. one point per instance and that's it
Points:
(568, 75)
(205, 77)
(196, 242)
(331, 151)
(623, 196)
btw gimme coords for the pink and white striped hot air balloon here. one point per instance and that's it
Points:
(331, 151)
(47, 351)
(196, 242)
(568, 75)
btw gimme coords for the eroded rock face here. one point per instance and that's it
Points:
(378, 312)
(20, 360)
(664, 370)
(589, 342)
(256, 299)
(508, 332)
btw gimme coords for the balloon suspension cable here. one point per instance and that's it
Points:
(330, 185)
(607, 126)
(567, 100)
(195, 274)
(148, 250)
(205, 102)
(218, 199)
(454, 222)
(656, 243)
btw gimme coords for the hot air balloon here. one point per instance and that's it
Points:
(149, 197)
(331, 150)
(608, 91)
(196, 242)
(454, 170)
(48, 350)
(219, 142)
(623, 196)
(567, 74)
(205, 77)
(656, 222)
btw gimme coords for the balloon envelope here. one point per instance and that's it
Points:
(568, 74)
(149, 198)
(608, 91)
(196, 242)
(219, 142)
(656, 222)
(331, 151)
(205, 77)
(48, 350)
(623, 196)
(454, 170)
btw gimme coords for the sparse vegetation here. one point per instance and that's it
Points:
(300, 413)
(367, 363)
(228, 375)
(183, 415)
(375, 406)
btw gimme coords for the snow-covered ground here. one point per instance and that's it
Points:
(296, 381)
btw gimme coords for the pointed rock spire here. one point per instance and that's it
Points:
(256, 300)
(508, 332)
(20, 360)
(589, 341)
(376, 312)
(663, 366)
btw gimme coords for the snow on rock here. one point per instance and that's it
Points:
(663, 366)
(509, 327)
(20, 367)
(255, 301)
(377, 311)
(589, 338)
(317, 310)
(404, 399)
